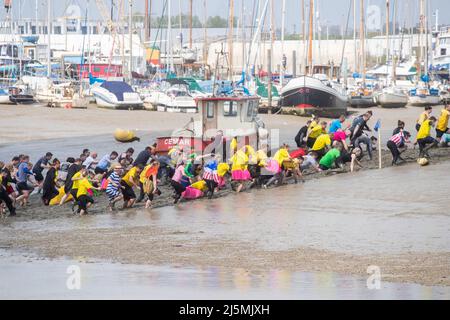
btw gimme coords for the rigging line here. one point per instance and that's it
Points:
(346, 30)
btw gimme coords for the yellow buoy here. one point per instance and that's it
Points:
(125, 135)
(423, 161)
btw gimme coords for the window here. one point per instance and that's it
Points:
(229, 109)
(443, 52)
(210, 110)
(97, 69)
(250, 109)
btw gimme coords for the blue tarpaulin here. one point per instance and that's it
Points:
(118, 88)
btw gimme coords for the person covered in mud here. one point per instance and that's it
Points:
(354, 158)
(281, 157)
(130, 180)
(341, 136)
(5, 178)
(310, 162)
(442, 123)
(114, 189)
(424, 138)
(40, 166)
(71, 171)
(49, 187)
(396, 142)
(364, 139)
(423, 116)
(328, 160)
(301, 135)
(322, 144)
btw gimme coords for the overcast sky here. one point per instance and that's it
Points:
(333, 12)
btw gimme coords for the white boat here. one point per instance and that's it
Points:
(175, 98)
(391, 97)
(116, 95)
(423, 96)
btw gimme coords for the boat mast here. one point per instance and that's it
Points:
(420, 37)
(169, 35)
(205, 39)
(190, 23)
(310, 42)
(387, 35)
(49, 26)
(146, 22)
(230, 39)
(130, 32)
(355, 64)
(362, 36)
(304, 36)
(393, 75)
(283, 18)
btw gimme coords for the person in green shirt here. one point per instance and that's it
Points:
(328, 160)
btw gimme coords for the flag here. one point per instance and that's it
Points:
(377, 125)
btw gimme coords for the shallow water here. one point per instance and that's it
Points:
(27, 278)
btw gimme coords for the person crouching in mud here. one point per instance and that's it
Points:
(397, 145)
(84, 199)
(424, 139)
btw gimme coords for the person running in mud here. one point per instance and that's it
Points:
(49, 187)
(114, 188)
(40, 166)
(397, 142)
(130, 180)
(73, 169)
(144, 156)
(358, 126)
(423, 116)
(105, 162)
(336, 125)
(149, 180)
(442, 123)
(126, 158)
(77, 177)
(24, 187)
(84, 199)
(4, 196)
(176, 182)
(91, 162)
(301, 135)
(424, 139)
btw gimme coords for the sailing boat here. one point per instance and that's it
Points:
(391, 97)
(313, 94)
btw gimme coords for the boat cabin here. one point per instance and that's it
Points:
(223, 116)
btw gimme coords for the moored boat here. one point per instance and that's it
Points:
(116, 95)
(392, 98)
(420, 97)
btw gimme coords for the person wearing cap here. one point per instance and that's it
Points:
(113, 190)
(397, 141)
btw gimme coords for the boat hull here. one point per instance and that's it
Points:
(307, 96)
(22, 99)
(420, 101)
(390, 100)
(361, 102)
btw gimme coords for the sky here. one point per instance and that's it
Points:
(332, 12)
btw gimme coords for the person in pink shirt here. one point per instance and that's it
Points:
(176, 182)
(341, 136)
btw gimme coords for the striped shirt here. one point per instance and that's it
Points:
(398, 138)
(113, 189)
(211, 175)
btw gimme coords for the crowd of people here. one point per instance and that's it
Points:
(320, 146)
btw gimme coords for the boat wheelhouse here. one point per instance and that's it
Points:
(228, 117)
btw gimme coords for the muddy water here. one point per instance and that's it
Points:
(27, 278)
(394, 210)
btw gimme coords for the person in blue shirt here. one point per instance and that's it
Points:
(23, 173)
(105, 162)
(337, 124)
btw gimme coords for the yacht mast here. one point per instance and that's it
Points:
(387, 35)
(362, 34)
(230, 38)
(205, 39)
(190, 23)
(130, 32)
(355, 64)
(310, 41)
(49, 27)
(283, 18)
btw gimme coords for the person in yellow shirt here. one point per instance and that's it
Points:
(423, 116)
(424, 138)
(442, 123)
(130, 180)
(322, 144)
(280, 156)
(77, 177)
(314, 132)
(84, 200)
